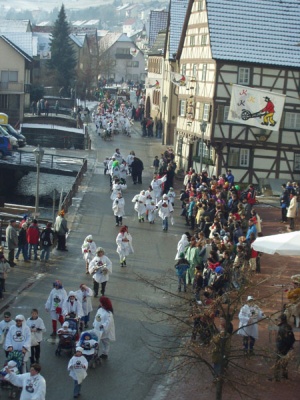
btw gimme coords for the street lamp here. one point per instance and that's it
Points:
(203, 126)
(39, 153)
(164, 100)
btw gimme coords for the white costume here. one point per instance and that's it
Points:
(117, 188)
(249, 314)
(181, 246)
(100, 268)
(33, 387)
(4, 327)
(164, 208)
(156, 186)
(85, 298)
(119, 207)
(78, 367)
(124, 245)
(152, 212)
(72, 306)
(171, 196)
(118, 156)
(37, 328)
(105, 325)
(140, 204)
(19, 338)
(88, 248)
(55, 301)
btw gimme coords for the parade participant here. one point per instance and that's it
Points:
(249, 315)
(5, 324)
(19, 337)
(118, 207)
(12, 241)
(104, 324)
(156, 185)
(84, 295)
(117, 187)
(88, 344)
(151, 211)
(171, 196)
(118, 156)
(54, 304)
(129, 160)
(72, 306)
(88, 249)
(77, 367)
(37, 328)
(33, 384)
(165, 210)
(124, 245)
(61, 229)
(140, 205)
(46, 242)
(100, 268)
(182, 245)
(65, 331)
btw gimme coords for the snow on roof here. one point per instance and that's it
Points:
(15, 25)
(23, 40)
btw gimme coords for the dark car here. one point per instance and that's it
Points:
(5, 147)
(20, 138)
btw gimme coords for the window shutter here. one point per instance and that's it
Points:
(209, 113)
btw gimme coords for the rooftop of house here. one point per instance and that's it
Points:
(255, 31)
(178, 10)
(158, 47)
(158, 22)
(15, 25)
(15, 46)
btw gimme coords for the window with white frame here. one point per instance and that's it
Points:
(244, 76)
(204, 40)
(297, 162)
(182, 108)
(292, 120)
(194, 70)
(204, 149)
(204, 72)
(238, 157)
(192, 40)
(206, 110)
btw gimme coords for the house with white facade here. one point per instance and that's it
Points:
(252, 43)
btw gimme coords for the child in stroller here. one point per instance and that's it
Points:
(67, 336)
(15, 364)
(89, 342)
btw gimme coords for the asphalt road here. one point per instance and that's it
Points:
(132, 371)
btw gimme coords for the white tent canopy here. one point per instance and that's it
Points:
(285, 244)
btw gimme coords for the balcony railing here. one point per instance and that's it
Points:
(12, 87)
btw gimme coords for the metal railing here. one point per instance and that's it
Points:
(52, 157)
(68, 199)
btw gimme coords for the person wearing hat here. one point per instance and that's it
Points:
(32, 383)
(284, 343)
(182, 245)
(22, 243)
(88, 249)
(54, 305)
(65, 331)
(4, 269)
(12, 241)
(61, 229)
(165, 210)
(292, 211)
(37, 328)
(100, 268)
(46, 242)
(72, 307)
(18, 337)
(156, 185)
(77, 368)
(5, 324)
(269, 111)
(118, 208)
(171, 196)
(104, 324)
(249, 316)
(124, 245)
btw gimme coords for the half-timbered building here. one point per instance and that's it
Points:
(253, 43)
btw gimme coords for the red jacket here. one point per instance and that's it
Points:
(33, 234)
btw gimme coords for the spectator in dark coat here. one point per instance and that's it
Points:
(137, 167)
(22, 243)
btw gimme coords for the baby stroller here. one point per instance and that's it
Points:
(89, 341)
(15, 362)
(68, 337)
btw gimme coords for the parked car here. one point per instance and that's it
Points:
(13, 141)
(11, 131)
(5, 147)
